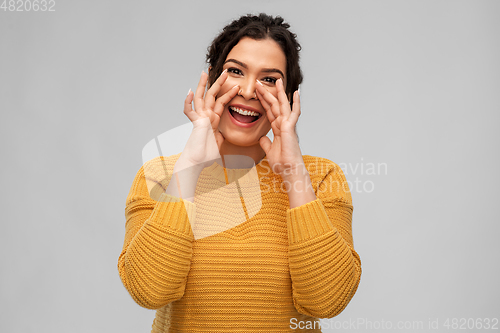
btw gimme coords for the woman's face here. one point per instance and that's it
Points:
(250, 60)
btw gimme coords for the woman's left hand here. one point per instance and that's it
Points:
(283, 153)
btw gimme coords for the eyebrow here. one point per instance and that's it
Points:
(265, 70)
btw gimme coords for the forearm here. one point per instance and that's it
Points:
(324, 268)
(154, 265)
(299, 187)
(157, 249)
(324, 286)
(184, 179)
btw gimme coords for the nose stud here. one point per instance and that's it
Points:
(241, 93)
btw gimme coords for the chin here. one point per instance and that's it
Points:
(240, 141)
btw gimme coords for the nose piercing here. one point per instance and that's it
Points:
(240, 92)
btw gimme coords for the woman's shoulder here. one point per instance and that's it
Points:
(159, 164)
(320, 166)
(152, 178)
(328, 179)
(157, 169)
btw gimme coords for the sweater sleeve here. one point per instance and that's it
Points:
(324, 268)
(157, 250)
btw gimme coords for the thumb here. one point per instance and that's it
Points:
(265, 143)
(219, 138)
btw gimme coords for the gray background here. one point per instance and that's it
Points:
(412, 85)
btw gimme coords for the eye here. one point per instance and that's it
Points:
(234, 71)
(269, 79)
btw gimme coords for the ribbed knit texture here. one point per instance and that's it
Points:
(239, 259)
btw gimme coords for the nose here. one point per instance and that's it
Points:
(247, 89)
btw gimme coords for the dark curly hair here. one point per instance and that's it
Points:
(257, 27)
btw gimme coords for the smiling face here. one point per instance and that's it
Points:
(244, 119)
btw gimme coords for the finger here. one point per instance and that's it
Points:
(219, 138)
(224, 99)
(214, 90)
(294, 116)
(265, 143)
(188, 107)
(200, 91)
(266, 107)
(269, 98)
(282, 99)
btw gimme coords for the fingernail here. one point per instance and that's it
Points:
(234, 87)
(298, 91)
(260, 83)
(224, 71)
(189, 91)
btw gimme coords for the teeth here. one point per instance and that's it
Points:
(245, 112)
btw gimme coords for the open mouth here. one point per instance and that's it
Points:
(244, 116)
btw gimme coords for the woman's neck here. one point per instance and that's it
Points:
(255, 152)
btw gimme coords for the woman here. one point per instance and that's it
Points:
(260, 248)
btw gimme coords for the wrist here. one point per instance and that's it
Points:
(299, 189)
(298, 183)
(184, 180)
(187, 166)
(294, 171)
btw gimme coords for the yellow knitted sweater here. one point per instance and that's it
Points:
(239, 260)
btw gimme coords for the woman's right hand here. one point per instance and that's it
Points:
(205, 140)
